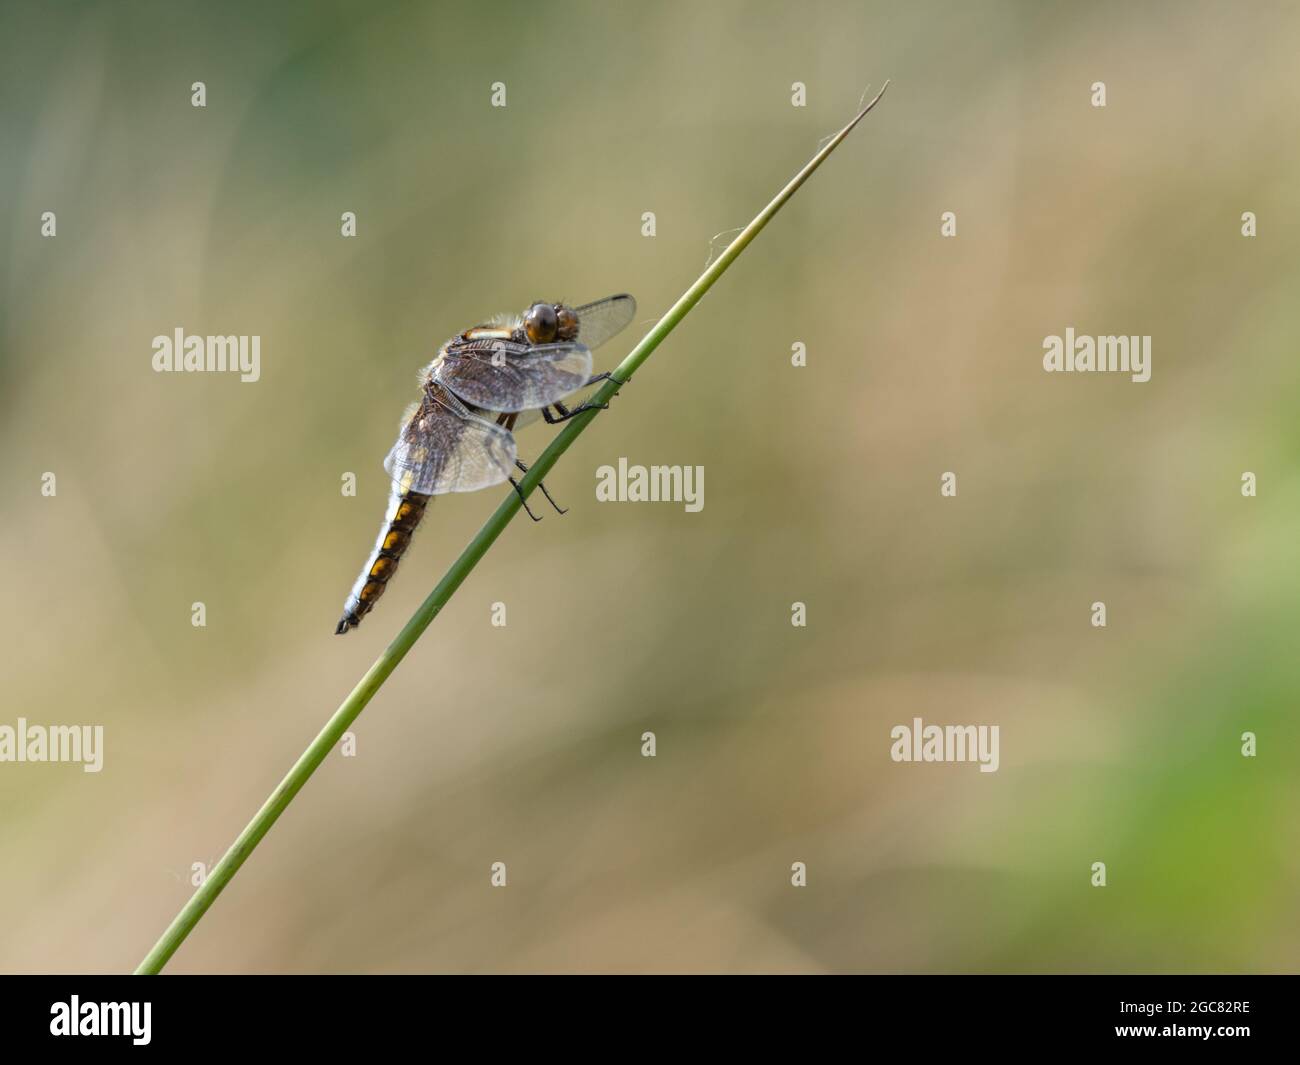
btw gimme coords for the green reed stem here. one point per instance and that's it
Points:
(352, 706)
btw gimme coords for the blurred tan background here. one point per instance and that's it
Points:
(522, 744)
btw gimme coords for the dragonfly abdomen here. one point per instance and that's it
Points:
(405, 509)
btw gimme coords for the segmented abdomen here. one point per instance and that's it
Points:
(405, 509)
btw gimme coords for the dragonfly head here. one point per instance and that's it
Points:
(545, 323)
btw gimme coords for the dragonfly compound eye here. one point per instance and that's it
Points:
(540, 323)
(567, 321)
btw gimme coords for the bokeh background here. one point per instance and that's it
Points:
(522, 744)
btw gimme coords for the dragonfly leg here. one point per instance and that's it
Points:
(606, 376)
(565, 414)
(523, 500)
(542, 485)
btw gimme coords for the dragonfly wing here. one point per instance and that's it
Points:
(444, 448)
(526, 418)
(599, 321)
(502, 375)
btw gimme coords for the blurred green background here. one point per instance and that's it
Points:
(522, 744)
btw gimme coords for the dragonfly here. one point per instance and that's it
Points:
(482, 385)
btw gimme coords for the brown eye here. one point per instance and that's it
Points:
(540, 323)
(568, 323)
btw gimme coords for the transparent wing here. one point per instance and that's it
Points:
(505, 376)
(444, 448)
(527, 418)
(599, 321)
